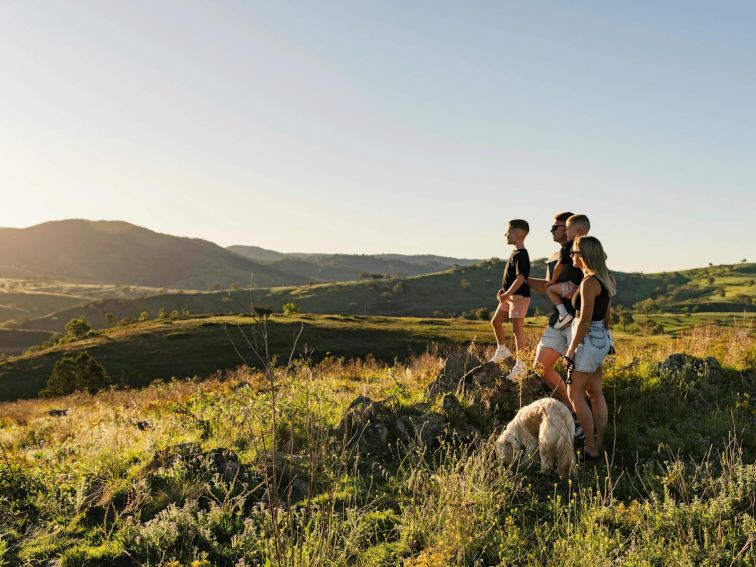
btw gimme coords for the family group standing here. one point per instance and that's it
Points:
(579, 286)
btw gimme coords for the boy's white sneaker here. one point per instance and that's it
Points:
(564, 321)
(519, 370)
(502, 353)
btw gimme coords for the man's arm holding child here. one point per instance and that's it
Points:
(537, 284)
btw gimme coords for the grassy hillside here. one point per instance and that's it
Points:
(448, 293)
(24, 299)
(442, 294)
(716, 288)
(139, 353)
(122, 253)
(82, 290)
(234, 472)
(22, 305)
(345, 267)
(14, 342)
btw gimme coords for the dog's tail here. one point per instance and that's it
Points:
(565, 454)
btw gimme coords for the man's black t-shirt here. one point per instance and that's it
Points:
(569, 272)
(518, 263)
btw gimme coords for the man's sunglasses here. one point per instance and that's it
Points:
(556, 226)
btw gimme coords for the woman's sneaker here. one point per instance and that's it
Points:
(563, 321)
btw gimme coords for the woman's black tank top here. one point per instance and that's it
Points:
(600, 304)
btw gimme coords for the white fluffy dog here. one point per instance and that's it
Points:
(544, 426)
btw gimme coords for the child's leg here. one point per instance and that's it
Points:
(553, 296)
(518, 328)
(497, 322)
(518, 309)
(502, 352)
(554, 293)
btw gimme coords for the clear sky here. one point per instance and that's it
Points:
(387, 126)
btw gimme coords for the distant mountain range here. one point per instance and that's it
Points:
(116, 252)
(348, 267)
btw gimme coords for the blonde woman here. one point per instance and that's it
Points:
(590, 341)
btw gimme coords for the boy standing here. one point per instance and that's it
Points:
(514, 296)
(559, 287)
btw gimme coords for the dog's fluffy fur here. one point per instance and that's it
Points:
(546, 427)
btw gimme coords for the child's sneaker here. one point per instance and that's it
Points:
(502, 353)
(579, 433)
(563, 321)
(518, 371)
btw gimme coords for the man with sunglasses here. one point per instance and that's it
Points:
(554, 342)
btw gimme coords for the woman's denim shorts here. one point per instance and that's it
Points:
(591, 352)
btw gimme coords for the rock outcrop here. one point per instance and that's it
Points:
(474, 395)
(456, 365)
(708, 367)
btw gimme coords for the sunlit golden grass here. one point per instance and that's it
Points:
(681, 472)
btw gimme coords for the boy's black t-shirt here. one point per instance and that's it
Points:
(569, 272)
(518, 263)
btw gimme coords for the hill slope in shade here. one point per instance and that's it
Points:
(119, 252)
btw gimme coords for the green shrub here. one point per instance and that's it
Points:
(290, 309)
(78, 328)
(74, 372)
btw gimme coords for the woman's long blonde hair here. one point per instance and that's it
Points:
(594, 258)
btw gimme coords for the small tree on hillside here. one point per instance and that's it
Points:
(626, 318)
(290, 309)
(74, 372)
(78, 328)
(482, 313)
(622, 316)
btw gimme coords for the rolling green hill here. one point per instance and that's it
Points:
(137, 354)
(13, 341)
(716, 288)
(21, 305)
(442, 294)
(122, 253)
(452, 292)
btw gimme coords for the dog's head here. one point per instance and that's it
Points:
(508, 447)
